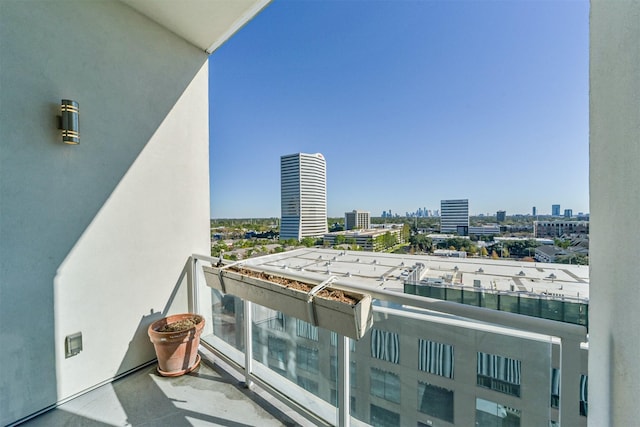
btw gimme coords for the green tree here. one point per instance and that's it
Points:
(406, 232)
(578, 259)
(308, 241)
(389, 240)
(421, 242)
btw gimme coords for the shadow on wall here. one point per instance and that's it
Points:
(140, 345)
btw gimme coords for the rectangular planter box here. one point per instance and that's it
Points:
(349, 320)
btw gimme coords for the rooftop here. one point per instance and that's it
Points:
(388, 271)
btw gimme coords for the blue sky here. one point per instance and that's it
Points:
(410, 102)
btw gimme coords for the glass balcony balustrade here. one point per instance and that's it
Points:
(416, 366)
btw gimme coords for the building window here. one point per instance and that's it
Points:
(555, 388)
(306, 330)
(385, 385)
(385, 346)
(334, 342)
(333, 371)
(584, 379)
(435, 358)
(307, 358)
(381, 417)
(277, 350)
(307, 384)
(276, 321)
(435, 401)
(499, 373)
(493, 414)
(334, 400)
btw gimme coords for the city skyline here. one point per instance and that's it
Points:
(486, 101)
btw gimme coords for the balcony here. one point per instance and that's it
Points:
(104, 228)
(424, 362)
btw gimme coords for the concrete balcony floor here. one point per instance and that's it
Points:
(208, 396)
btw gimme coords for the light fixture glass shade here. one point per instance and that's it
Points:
(70, 122)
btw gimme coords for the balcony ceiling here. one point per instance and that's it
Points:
(205, 23)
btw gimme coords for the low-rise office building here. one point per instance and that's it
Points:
(368, 240)
(360, 220)
(559, 228)
(484, 230)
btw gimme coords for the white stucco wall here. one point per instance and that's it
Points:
(94, 237)
(614, 311)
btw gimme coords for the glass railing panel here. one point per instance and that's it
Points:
(575, 313)
(436, 292)
(490, 300)
(509, 303)
(415, 368)
(552, 309)
(227, 318)
(454, 294)
(471, 297)
(298, 358)
(570, 310)
(529, 306)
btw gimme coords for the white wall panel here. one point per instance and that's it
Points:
(93, 237)
(614, 322)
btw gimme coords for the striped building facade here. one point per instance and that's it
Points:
(303, 185)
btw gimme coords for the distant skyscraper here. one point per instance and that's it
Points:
(555, 210)
(534, 211)
(303, 199)
(454, 216)
(568, 213)
(357, 220)
(501, 216)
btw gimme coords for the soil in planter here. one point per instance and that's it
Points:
(332, 294)
(180, 325)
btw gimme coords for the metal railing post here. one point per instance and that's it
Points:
(193, 285)
(569, 408)
(344, 388)
(248, 344)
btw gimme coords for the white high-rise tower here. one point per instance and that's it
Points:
(303, 183)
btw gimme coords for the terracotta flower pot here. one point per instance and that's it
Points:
(177, 351)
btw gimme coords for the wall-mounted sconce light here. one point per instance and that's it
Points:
(69, 122)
